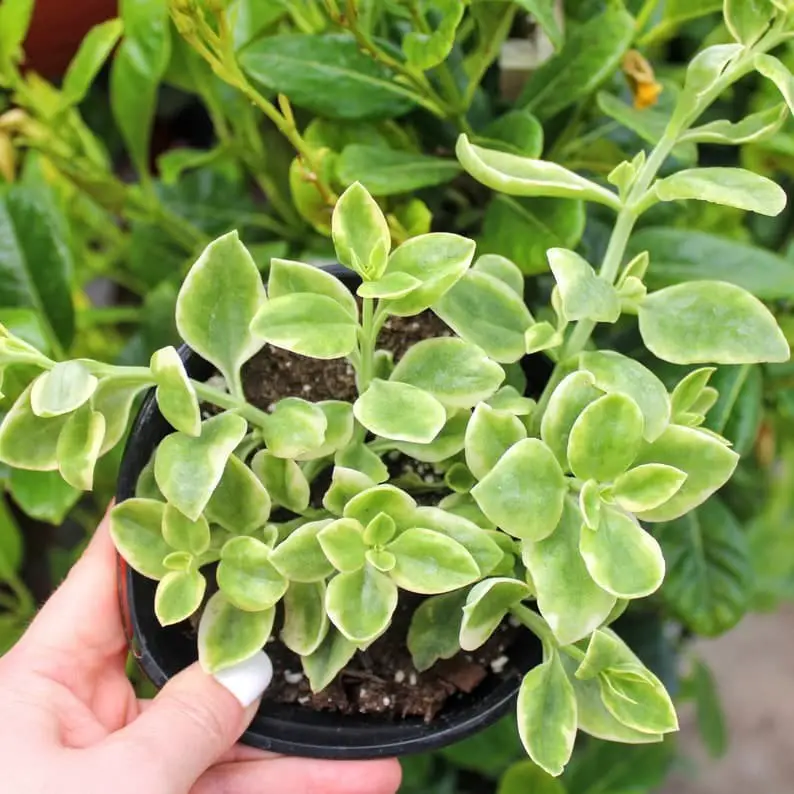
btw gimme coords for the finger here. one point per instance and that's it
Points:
(302, 776)
(194, 720)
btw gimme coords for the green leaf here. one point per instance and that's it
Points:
(361, 234)
(615, 373)
(543, 12)
(523, 229)
(283, 479)
(523, 176)
(239, 503)
(296, 428)
(585, 295)
(94, 50)
(326, 74)
(176, 397)
(309, 202)
(503, 269)
(484, 311)
(137, 69)
(710, 321)
(489, 434)
(15, 17)
(524, 777)
(710, 716)
(136, 529)
(568, 598)
(339, 427)
(43, 495)
(457, 373)
(486, 606)
(114, 398)
(510, 400)
(342, 541)
(709, 580)
(738, 410)
(755, 127)
(286, 277)
(748, 20)
(542, 336)
(62, 389)
(11, 544)
(345, 484)
(446, 444)
(28, 441)
(79, 445)
(547, 715)
(524, 493)
(517, 132)
(647, 487)
(179, 594)
(590, 503)
(228, 636)
(430, 562)
(689, 390)
(400, 412)
(216, 304)
(388, 172)
(246, 576)
(188, 469)
(182, 534)
(323, 665)
(438, 260)
(424, 50)
(701, 74)
(305, 622)
(621, 556)
(588, 58)
(360, 457)
(771, 68)
(395, 285)
(677, 11)
(300, 558)
(606, 437)
(360, 604)
(730, 187)
(434, 629)
(639, 702)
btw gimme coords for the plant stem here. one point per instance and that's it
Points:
(538, 626)
(366, 345)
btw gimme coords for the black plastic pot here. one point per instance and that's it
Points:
(286, 728)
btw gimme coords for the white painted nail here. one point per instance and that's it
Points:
(248, 680)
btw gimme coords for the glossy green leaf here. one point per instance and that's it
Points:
(228, 636)
(136, 529)
(486, 606)
(585, 295)
(300, 558)
(709, 580)
(188, 469)
(179, 594)
(446, 444)
(748, 20)
(615, 373)
(360, 604)
(524, 493)
(431, 562)
(435, 625)
(523, 176)
(114, 398)
(286, 277)
(710, 321)
(246, 576)
(568, 598)
(305, 622)
(771, 68)
(216, 304)
(690, 388)
(79, 446)
(94, 50)
(323, 665)
(342, 541)
(640, 702)
(647, 487)
(703, 71)
(345, 484)
(621, 556)
(43, 495)
(15, 18)
(296, 428)
(486, 312)
(380, 530)
(547, 715)
(182, 534)
(400, 411)
(326, 74)
(178, 561)
(62, 389)
(283, 479)
(425, 48)
(489, 434)
(176, 397)
(360, 457)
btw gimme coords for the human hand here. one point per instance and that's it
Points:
(71, 721)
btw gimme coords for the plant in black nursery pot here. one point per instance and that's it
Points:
(354, 475)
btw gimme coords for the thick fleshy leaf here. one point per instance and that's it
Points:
(188, 469)
(176, 397)
(179, 594)
(217, 302)
(305, 621)
(94, 50)
(300, 557)
(542, 336)
(345, 484)
(489, 434)
(524, 493)
(706, 461)
(621, 556)
(748, 20)
(136, 529)
(283, 479)
(380, 530)
(330, 656)
(182, 534)
(296, 278)
(62, 389)
(434, 629)
(502, 268)
(430, 562)
(400, 411)
(445, 445)
(510, 400)
(228, 636)
(483, 310)
(710, 321)
(114, 398)
(590, 503)
(388, 499)
(647, 487)
(523, 176)
(246, 576)
(28, 441)
(573, 394)
(585, 295)
(360, 604)
(547, 715)
(773, 69)
(614, 372)
(296, 427)
(393, 285)
(640, 702)
(568, 598)
(339, 427)
(438, 260)
(361, 235)
(755, 127)
(342, 541)
(360, 457)
(486, 606)
(606, 437)
(456, 373)
(526, 776)
(690, 388)
(79, 446)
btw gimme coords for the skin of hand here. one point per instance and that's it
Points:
(71, 722)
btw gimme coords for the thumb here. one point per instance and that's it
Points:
(194, 720)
